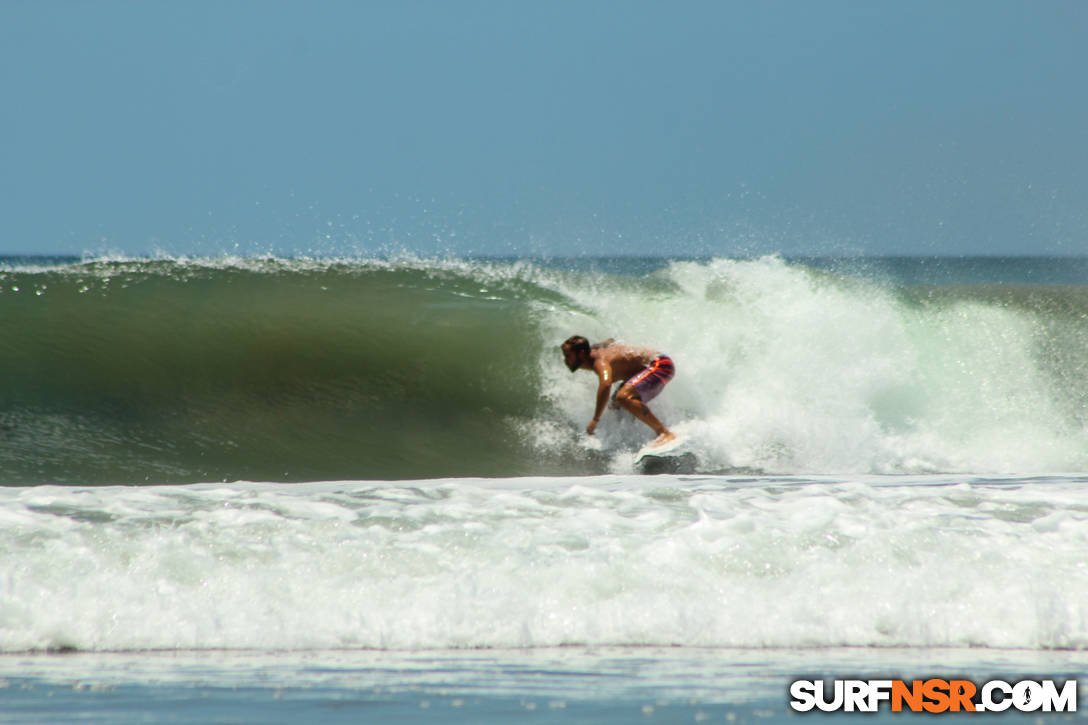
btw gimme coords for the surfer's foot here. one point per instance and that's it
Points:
(666, 437)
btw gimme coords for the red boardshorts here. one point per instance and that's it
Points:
(651, 379)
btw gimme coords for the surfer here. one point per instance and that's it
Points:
(644, 372)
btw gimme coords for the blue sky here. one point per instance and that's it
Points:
(544, 128)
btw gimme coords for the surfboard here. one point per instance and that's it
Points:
(668, 458)
(651, 450)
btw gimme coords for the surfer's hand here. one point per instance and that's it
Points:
(591, 427)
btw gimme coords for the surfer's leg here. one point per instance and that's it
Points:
(631, 401)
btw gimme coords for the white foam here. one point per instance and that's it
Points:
(927, 561)
(781, 369)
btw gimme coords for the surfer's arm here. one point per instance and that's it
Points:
(604, 387)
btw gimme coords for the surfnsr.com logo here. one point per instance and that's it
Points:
(933, 696)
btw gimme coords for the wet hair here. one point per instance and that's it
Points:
(576, 343)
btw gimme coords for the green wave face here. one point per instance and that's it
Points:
(129, 372)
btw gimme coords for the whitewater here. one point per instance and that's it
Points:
(522, 563)
(248, 488)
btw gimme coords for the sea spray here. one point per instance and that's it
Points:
(786, 368)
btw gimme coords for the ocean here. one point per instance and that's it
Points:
(343, 490)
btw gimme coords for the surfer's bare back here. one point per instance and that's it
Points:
(644, 372)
